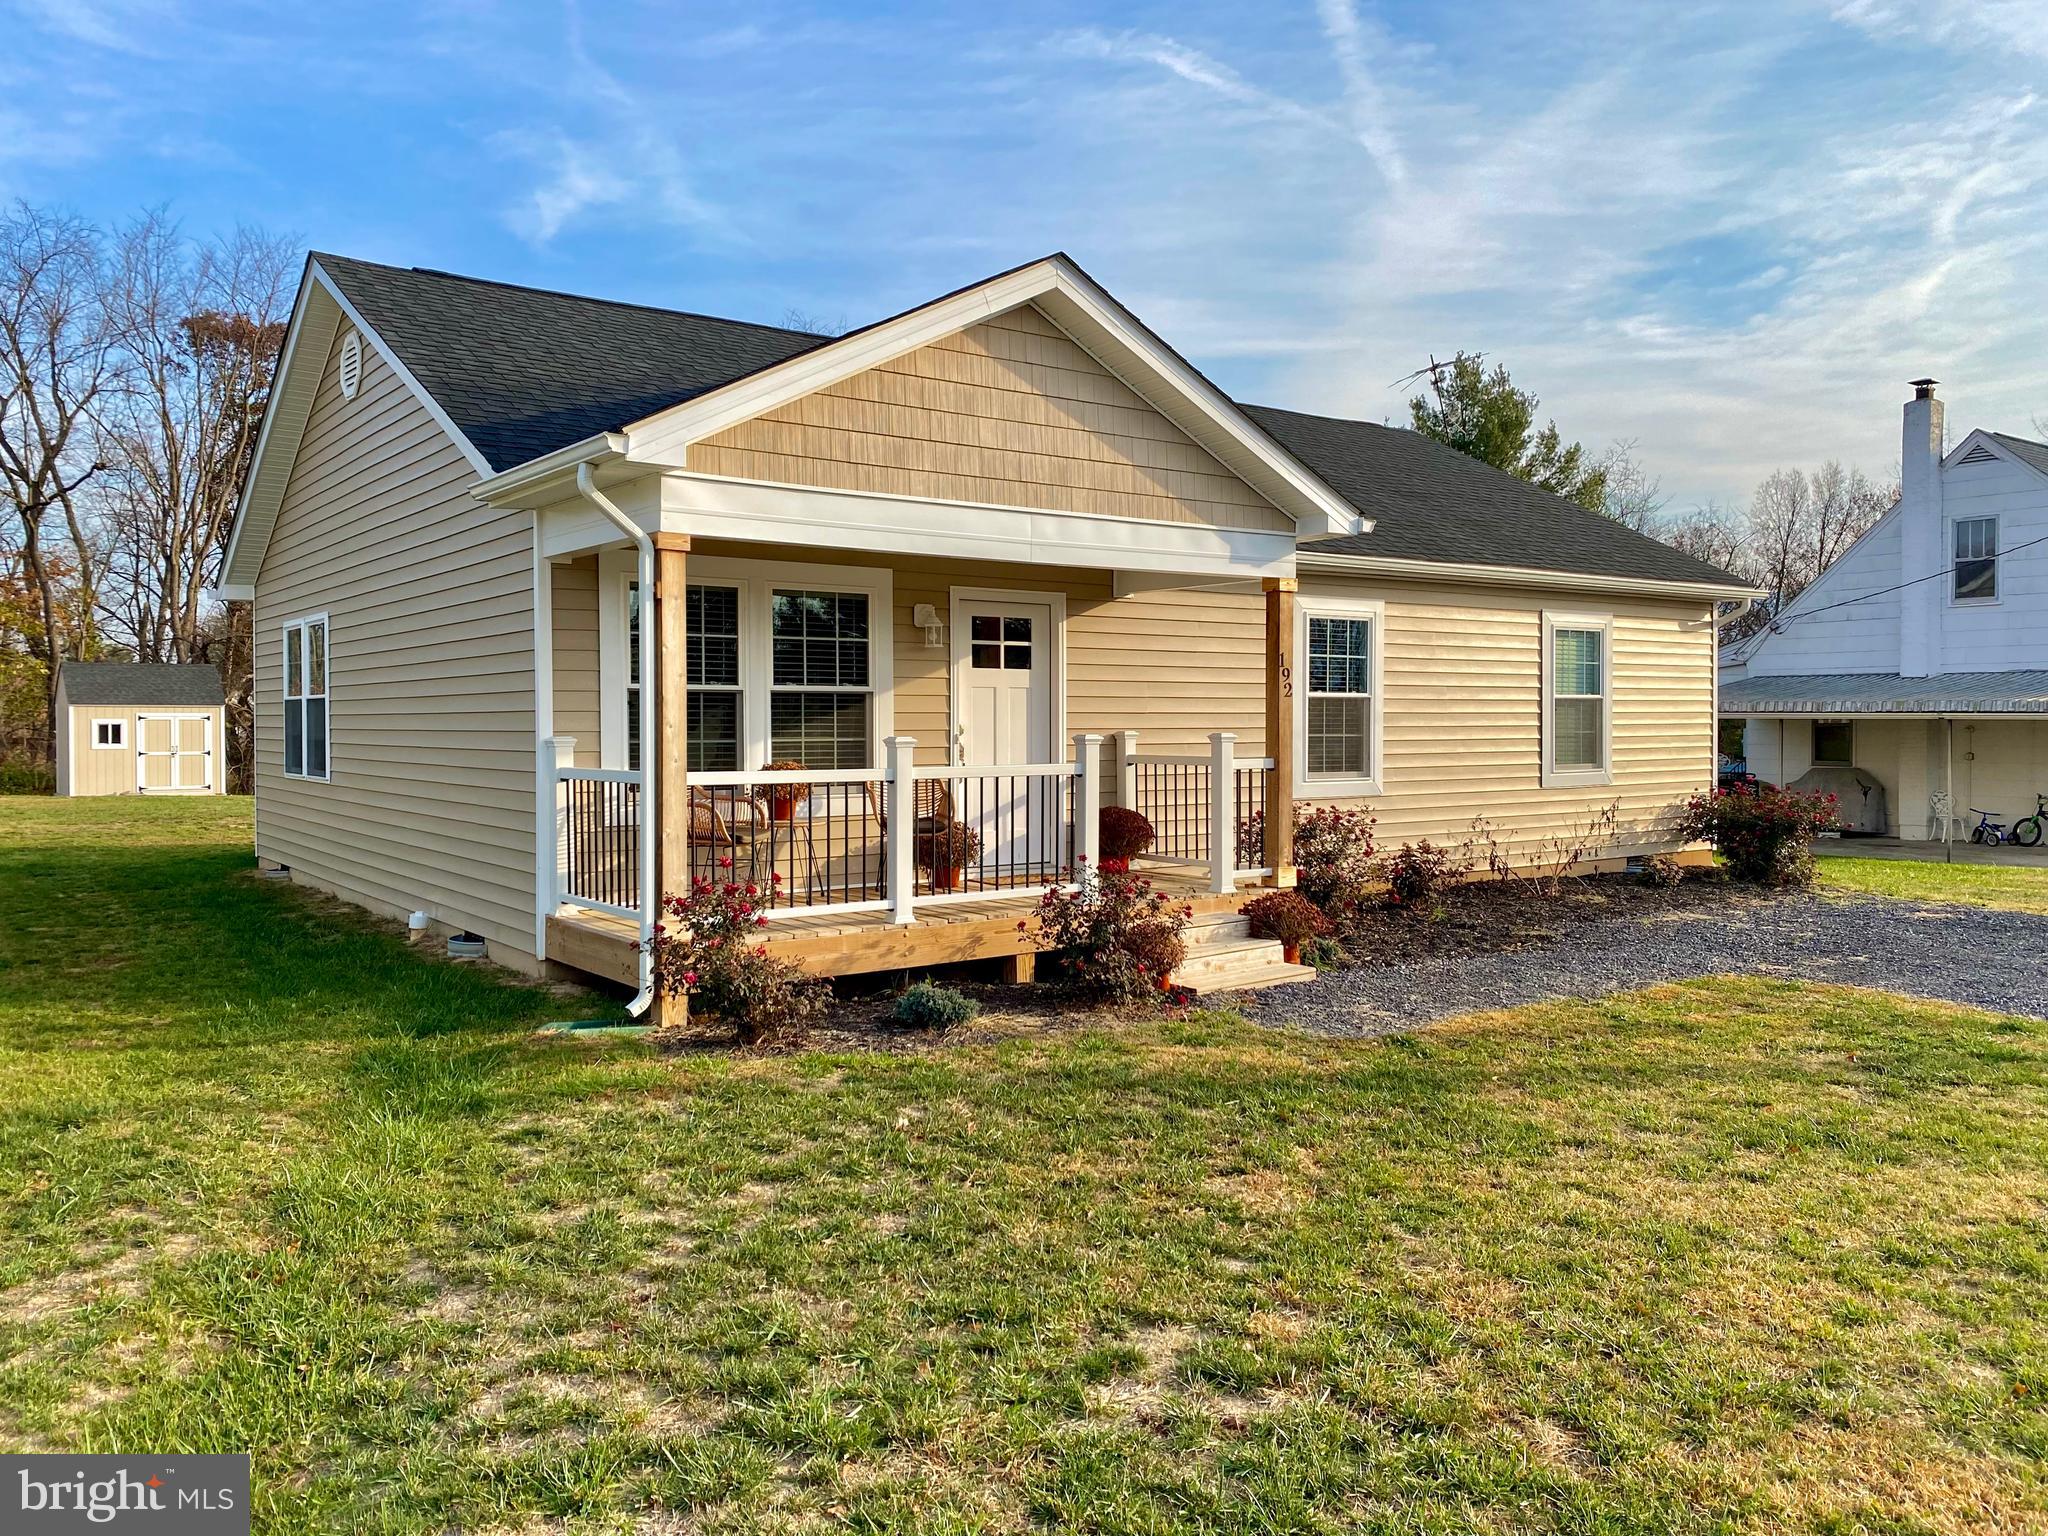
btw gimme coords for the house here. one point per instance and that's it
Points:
(1920, 657)
(139, 728)
(543, 585)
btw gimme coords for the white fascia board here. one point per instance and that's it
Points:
(553, 475)
(2005, 454)
(712, 506)
(1515, 576)
(1095, 322)
(432, 406)
(317, 290)
(231, 573)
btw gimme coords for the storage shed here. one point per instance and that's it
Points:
(139, 728)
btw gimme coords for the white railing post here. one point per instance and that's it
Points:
(1127, 769)
(1088, 799)
(556, 753)
(902, 806)
(1222, 812)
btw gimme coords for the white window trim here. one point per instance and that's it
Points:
(1574, 778)
(1326, 607)
(1997, 561)
(757, 581)
(284, 674)
(962, 598)
(120, 741)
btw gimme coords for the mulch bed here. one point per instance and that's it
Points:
(1491, 917)
(1501, 916)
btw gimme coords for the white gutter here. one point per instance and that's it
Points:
(650, 713)
(1311, 560)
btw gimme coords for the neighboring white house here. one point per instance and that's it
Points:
(139, 728)
(1921, 656)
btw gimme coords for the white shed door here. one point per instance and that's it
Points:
(173, 754)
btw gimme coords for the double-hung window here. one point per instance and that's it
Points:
(712, 663)
(1578, 699)
(305, 698)
(1976, 553)
(1337, 682)
(821, 681)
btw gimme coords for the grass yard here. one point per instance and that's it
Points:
(2017, 887)
(1725, 1257)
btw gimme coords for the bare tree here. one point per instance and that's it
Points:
(1631, 495)
(201, 326)
(58, 358)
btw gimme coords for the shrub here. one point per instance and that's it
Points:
(1766, 834)
(1324, 954)
(1661, 871)
(1333, 857)
(1113, 939)
(703, 949)
(1287, 916)
(931, 1006)
(1420, 873)
(25, 777)
(1124, 834)
(1251, 841)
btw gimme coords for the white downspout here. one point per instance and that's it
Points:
(650, 714)
(1742, 606)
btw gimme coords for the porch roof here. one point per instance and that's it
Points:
(1846, 694)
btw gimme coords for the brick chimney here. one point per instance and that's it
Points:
(1920, 534)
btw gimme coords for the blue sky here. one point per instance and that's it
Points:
(1728, 232)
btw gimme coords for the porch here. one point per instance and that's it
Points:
(849, 883)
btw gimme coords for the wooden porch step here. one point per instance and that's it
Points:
(1251, 979)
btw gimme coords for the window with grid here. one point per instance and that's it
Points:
(110, 733)
(1337, 739)
(820, 671)
(1976, 559)
(305, 699)
(1578, 699)
(712, 675)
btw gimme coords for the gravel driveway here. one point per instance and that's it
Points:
(1985, 958)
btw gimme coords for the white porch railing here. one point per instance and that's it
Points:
(819, 842)
(1193, 824)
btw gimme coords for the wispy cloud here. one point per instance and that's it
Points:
(1371, 117)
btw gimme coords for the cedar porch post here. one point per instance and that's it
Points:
(668, 758)
(1280, 599)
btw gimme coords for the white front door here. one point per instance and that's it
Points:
(1003, 653)
(173, 754)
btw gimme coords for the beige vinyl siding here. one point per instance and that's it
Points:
(1462, 673)
(429, 599)
(1172, 665)
(1009, 412)
(577, 708)
(111, 771)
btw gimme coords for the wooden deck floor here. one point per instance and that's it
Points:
(855, 943)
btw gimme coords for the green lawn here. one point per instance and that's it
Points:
(1733, 1256)
(1977, 885)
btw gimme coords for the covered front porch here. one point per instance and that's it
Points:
(900, 752)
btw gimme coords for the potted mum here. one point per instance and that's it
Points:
(1287, 916)
(944, 847)
(783, 799)
(1124, 835)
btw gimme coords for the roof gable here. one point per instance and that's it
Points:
(1431, 503)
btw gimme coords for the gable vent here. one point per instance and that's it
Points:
(351, 364)
(1979, 455)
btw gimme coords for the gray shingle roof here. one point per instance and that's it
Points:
(2026, 448)
(524, 371)
(1431, 502)
(191, 685)
(1887, 693)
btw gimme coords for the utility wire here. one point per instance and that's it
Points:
(1777, 624)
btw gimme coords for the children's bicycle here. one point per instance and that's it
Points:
(1989, 831)
(2028, 830)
